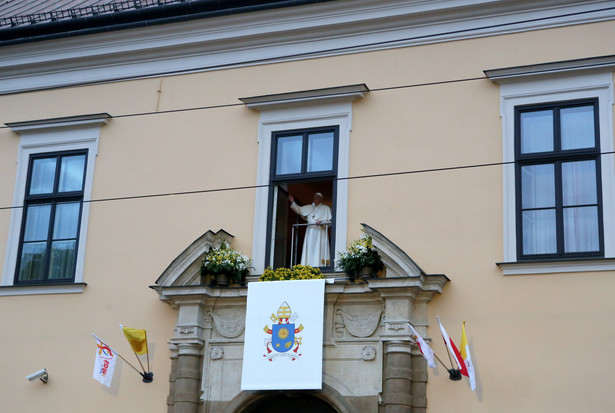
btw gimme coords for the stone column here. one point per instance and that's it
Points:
(188, 378)
(172, 377)
(397, 368)
(397, 377)
(187, 344)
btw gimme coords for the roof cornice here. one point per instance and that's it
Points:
(285, 34)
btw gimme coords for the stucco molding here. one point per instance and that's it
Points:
(287, 34)
(569, 67)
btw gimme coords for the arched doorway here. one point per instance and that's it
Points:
(290, 402)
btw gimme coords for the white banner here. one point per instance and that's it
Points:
(104, 363)
(283, 335)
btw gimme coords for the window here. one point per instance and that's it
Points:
(50, 229)
(559, 211)
(304, 164)
(47, 237)
(305, 112)
(559, 169)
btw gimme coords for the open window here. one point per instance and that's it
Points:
(304, 140)
(304, 163)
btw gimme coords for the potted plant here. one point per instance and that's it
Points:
(360, 259)
(226, 265)
(298, 272)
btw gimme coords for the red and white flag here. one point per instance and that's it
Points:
(426, 351)
(104, 363)
(452, 348)
(467, 358)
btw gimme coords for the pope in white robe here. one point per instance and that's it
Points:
(316, 242)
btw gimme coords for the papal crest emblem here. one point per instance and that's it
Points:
(284, 340)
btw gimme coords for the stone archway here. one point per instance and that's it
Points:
(284, 402)
(371, 362)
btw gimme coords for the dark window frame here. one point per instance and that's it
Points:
(54, 198)
(556, 157)
(303, 177)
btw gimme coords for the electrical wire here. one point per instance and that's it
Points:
(332, 50)
(349, 178)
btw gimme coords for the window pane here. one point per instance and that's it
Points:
(43, 176)
(33, 256)
(37, 223)
(537, 131)
(71, 173)
(538, 186)
(320, 152)
(581, 229)
(578, 127)
(289, 155)
(579, 183)
(539, 232)
(62, 261)
(66, 220)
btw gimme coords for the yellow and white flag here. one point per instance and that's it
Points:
(104, 363)
(137, 339)
(467, 358)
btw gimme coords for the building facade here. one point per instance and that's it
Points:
(473, 141)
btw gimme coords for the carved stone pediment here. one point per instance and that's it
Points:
(186, 268)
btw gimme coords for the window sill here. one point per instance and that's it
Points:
(72, 288)
(559, 266)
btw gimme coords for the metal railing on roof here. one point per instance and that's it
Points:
(78, 12)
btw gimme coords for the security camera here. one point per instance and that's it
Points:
(41, 374)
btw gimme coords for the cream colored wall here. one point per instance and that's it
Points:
(530, 334)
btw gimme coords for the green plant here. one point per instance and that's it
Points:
(224, 259)
(361, 253)
(298, 272)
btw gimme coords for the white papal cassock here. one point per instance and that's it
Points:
(316, 242)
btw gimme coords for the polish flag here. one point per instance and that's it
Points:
(452, 348)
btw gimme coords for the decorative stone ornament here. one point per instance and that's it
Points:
(360, 325)
(228, 328)
(368, 353)
(216, 352)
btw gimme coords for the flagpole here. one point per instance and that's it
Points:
(453, 374)
(147, 354)
(448, 352)
(148, 376)
(139, 360)
(438, 358)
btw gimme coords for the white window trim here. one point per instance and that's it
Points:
(301, 110)
(54, 135)
(553, 88)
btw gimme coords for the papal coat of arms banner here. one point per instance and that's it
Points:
(283, 335)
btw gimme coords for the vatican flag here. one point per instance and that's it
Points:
(283, 335)
(137, 339)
